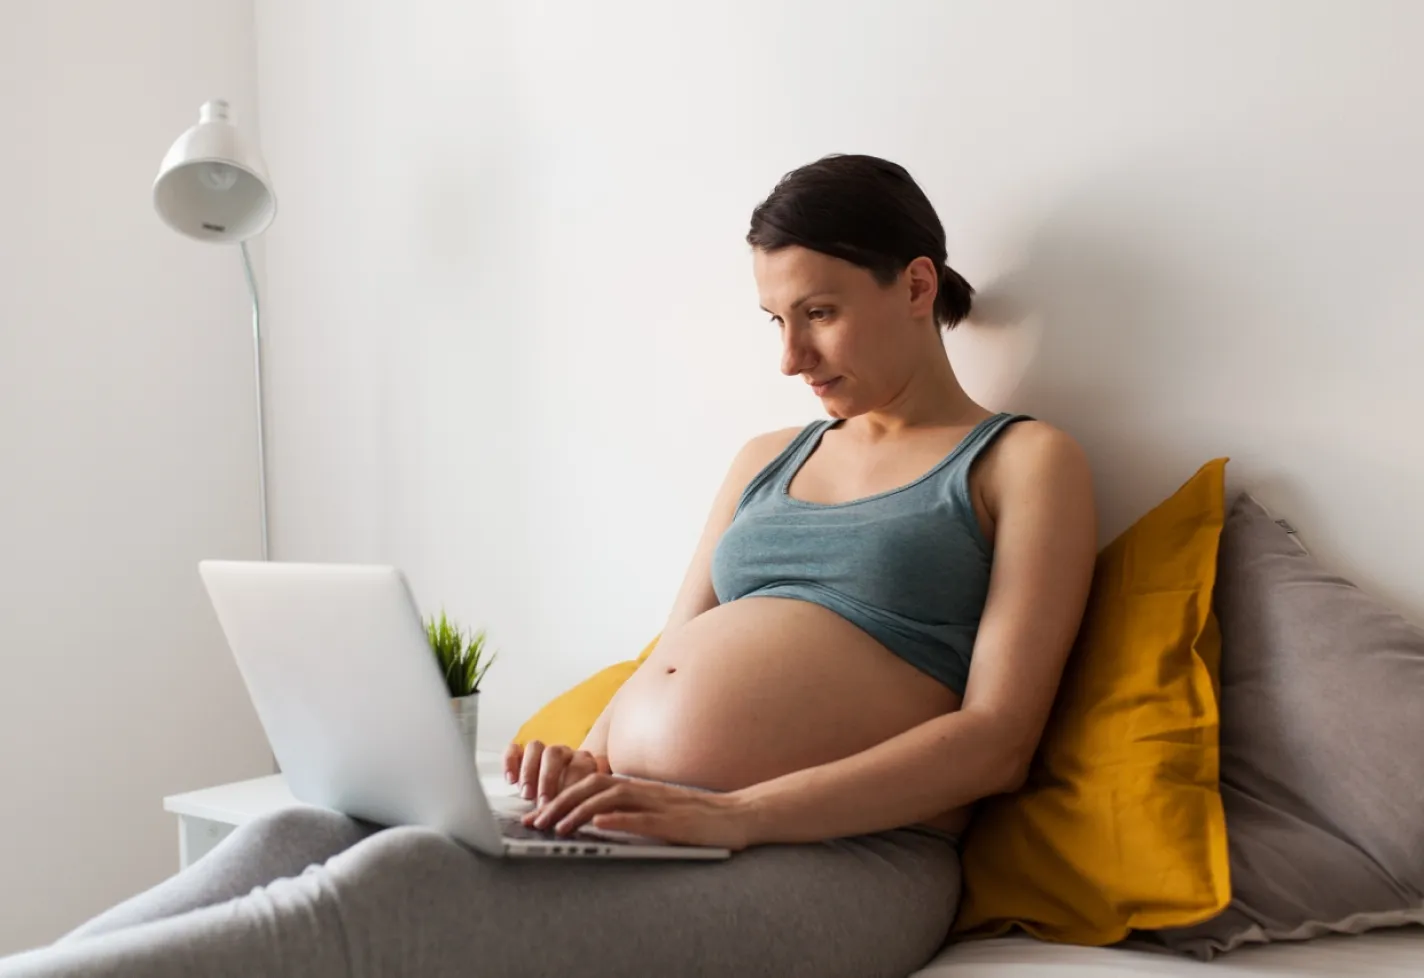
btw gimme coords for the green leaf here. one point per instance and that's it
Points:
(463, 657)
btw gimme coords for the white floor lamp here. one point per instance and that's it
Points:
(212, 186)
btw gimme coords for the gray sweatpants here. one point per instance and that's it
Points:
(313, 893)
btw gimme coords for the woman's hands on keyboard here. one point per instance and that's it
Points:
(668, 812)
(542, 772)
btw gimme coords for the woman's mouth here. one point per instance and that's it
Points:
(820, 389)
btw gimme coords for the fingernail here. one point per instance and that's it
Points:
(543, 799)
(528, 792)
(509, 777)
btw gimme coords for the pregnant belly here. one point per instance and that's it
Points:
(760, 687)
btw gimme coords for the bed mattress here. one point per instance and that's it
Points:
(1395, 952)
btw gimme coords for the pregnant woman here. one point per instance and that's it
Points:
(868, 640)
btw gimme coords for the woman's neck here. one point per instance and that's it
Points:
(932, 397)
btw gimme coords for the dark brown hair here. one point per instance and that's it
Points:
(864, 210)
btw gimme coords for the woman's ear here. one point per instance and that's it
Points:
(922, 276)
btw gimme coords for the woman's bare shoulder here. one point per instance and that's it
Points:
(759, 451)
(1031, 435)
(769, 444)
(1033, 455)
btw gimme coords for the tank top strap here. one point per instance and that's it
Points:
(980, 437)
(791, 457)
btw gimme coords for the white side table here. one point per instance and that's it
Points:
(206, 817)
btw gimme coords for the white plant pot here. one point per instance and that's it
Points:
(467, 715)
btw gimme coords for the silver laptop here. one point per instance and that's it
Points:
(337, 664)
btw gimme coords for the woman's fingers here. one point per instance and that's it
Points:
(543, 772)
(562, 803)
(648, 808)
(618, 798)
(580, 766)
(529, 769)
(551, 771)
(651, 824)
(513, 758)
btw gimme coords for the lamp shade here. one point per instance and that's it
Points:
(212, 185)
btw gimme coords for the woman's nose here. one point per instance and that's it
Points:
(796, 357)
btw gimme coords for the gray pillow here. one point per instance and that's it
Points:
(1322, 748)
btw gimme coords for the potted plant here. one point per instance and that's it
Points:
(463, 658)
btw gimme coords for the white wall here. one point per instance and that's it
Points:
(125, 453)
(516, 339)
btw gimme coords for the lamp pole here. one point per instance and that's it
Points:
(257, 374)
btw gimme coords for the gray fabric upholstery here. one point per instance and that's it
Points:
(1322, 748)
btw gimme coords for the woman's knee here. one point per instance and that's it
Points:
(410, 850)
(408, 866)
(299, 834)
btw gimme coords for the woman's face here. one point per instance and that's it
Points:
(855, 341)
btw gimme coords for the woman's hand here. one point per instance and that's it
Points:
(650, 808)
(545, 771)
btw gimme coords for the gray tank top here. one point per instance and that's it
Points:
(909, 566)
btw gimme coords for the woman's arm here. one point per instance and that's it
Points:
(1045, 544)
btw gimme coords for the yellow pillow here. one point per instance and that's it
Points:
(568, 717)
(1120, 825)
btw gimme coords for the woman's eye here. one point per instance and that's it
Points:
(817, 314)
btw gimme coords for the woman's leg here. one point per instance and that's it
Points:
(409, 901)
(266, 849)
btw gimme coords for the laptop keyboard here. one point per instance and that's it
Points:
(512, 828)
